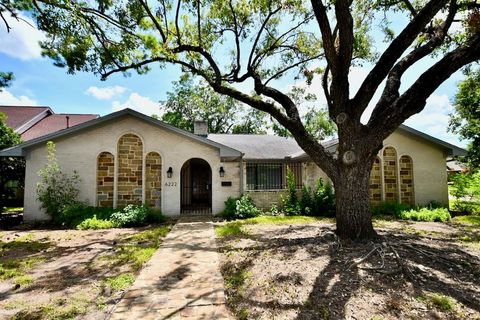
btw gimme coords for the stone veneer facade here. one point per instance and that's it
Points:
(105, 179)
(390, 174)
(376, 183)
(129, 178)
(153, 180)
(406, 180)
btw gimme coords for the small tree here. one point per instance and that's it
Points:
(466, 190)
(56, 190)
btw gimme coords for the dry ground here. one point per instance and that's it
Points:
(302, 271)
(65, 274)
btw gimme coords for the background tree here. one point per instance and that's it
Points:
(11, 169)
(466, 119)
(189, 101)
(244, 46)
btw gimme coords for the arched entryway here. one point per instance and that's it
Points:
(196, 187)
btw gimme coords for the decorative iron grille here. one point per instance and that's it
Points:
(272, 175)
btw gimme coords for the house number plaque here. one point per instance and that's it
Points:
(170, 184)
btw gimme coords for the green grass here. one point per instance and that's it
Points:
(137, 249)
(237, 279)
(468, 220)
(23, 280)
(18, 267)
(120, 282)
(440, 301)
(58, 309)
(96, 224)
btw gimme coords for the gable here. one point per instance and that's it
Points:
(114, 121)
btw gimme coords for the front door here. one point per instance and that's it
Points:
(196, 187)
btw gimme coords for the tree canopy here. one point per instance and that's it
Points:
(244, 49)
(466, 119)
(189, 101)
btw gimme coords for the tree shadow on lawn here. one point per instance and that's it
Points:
(447, 270)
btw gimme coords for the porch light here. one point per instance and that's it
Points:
(169, 172)
(221, 172)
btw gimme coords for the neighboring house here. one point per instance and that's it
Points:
(455, 167)
(127, 157)
(34, 122)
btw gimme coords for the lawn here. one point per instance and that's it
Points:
(296, 268)
(66, 274)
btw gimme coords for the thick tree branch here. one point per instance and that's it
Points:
(413, 100)
(394, 51)
(326, 31)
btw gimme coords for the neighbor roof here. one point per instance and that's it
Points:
(20, 118)
(18, 150)
(55, 122)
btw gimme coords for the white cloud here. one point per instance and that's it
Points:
(105, 93)
(138, 103)
(7, 98)
(22, 40)
(434, 119)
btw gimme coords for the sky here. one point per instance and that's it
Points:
(39, 83)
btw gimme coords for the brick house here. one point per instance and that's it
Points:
(127, 157)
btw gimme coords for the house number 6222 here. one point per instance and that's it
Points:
(170, 184)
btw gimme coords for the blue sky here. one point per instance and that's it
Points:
(38, 82)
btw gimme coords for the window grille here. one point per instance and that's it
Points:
(272, 175)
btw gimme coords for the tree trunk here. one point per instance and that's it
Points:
(354, 218)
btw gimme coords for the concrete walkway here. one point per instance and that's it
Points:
(181, 281)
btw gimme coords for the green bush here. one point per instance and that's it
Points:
(56, 189)
(426, 214)
(75, 214)
(290, 203)
(96, 224)
(131, 216)
(240, 208)
(323, 200)
(154, 216)
(466, 190)
(390, 209)
(246, 208)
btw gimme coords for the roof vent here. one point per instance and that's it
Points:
(200, 128)
(68, 121)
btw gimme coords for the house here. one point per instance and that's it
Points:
(34, 122)
(127, 157)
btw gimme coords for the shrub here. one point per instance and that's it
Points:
(56, 190)
(131, 216)
(95, 224)
(154, 216)
(390, 209)
(426, 214)
(466, 190)
(246, 208)
(75, 214)
(323, 200)
(230, 208)
(240, 208)
(291, 205)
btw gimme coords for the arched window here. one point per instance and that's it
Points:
(130, 161)
(407, 194)
(390, 174)
(105, 179)
(375, 183)
(153, 179)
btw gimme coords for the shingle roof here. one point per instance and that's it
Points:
(17, 116)
(258, 146)
(16, 151)
(55, 122)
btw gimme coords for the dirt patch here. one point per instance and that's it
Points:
(69, 273)
(305, 272)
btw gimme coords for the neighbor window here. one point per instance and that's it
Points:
(272, 176)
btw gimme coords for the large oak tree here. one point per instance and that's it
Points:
(238, 44)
